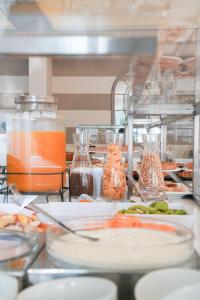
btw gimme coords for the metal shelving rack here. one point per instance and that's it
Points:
(5, 191)
(140, 45)
(171, 113)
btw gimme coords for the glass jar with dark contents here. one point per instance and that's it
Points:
(81, 173)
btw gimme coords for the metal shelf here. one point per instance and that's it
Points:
(162, 109)
(79, 43)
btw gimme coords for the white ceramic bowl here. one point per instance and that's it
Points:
(158, 284)
(8, 287)
(72, 288)
(188, 292)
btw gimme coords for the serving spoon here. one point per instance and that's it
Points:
(37, 209)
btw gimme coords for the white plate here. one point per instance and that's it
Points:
(188, 292)
(158, 284)
(71, 288)
(8, 287)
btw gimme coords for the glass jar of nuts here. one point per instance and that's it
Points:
(150, 172)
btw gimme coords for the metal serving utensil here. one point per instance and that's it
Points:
(37, 209)
(135, 184)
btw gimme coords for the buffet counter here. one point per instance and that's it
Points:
(40, 267)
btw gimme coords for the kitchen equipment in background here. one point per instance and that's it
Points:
(114, 178)
(36, 145)
(81, 172)
(150, 172)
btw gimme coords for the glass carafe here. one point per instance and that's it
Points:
(81, 172)
(151, 178)
(114, 179)
(36, 135)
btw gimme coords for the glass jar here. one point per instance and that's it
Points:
(36, 145)
(81, 172)
(150, 174)
(114, 178)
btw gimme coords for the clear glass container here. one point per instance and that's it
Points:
(81, 172)
(16, 244)
(114, 178)
(169, 87)
(153, 89)
(36, 145)
(151, 178)
(125, 243)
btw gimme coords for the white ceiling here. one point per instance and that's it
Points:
(73, 14)
(123, 13)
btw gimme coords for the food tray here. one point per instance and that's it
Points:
(178, 195)
(186, 220)
(74, 210)
(183, 160)
(178, 169)
(39, 268)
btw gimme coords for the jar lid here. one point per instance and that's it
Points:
(26, 99)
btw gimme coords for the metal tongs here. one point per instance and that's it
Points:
(134, 183)
(37, 209)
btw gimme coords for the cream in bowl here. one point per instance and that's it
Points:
(124, 242)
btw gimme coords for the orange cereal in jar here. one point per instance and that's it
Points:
(114, 179)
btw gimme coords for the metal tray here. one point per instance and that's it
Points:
(179, 195)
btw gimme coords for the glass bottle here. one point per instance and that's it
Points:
(169, 87)
(81, 172)
(114, 178)
(36, 145)
(150, 174)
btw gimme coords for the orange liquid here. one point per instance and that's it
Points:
(36, 152)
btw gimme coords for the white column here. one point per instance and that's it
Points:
(40, 76)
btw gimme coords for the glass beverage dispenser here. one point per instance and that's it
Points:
(36, 145)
